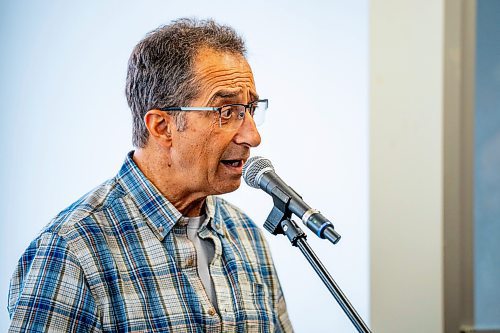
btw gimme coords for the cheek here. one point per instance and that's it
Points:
(200, 150)
(202, 153)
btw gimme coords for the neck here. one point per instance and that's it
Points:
(154, 165)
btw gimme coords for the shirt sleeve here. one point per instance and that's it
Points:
(48, 291)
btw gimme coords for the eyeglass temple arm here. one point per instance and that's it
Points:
(189, 108)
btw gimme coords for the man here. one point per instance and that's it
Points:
(153, 249)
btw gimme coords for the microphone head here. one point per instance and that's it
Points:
(254, 168)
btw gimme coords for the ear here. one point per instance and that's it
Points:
(159, 125)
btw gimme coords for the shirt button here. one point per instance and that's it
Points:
(211, 311)
(161, 229)
(189, 262)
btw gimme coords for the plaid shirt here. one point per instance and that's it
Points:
(114, 261)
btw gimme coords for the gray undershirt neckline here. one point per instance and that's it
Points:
(205, 251)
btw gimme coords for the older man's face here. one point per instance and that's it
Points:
(210, 157)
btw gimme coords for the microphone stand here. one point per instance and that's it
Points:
(279, 222)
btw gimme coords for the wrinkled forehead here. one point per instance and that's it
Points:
(224, 75)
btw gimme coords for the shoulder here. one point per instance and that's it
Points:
(81, 229)
(81, 220)
(84, 210)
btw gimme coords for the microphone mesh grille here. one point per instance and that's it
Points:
(252, 168)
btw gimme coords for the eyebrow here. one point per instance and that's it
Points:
(221, 94)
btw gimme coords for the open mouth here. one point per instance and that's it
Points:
(233, 163)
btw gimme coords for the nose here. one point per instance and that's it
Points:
(247, 133)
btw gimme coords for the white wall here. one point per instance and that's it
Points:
(65, 125)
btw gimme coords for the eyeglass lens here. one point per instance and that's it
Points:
(231, 116)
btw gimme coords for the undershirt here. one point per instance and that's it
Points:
(205, 251)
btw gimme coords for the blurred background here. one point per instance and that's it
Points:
(384, 115)
(66, 126)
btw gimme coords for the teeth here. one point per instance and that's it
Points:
(233, 163)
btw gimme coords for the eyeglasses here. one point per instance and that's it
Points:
(230, 116)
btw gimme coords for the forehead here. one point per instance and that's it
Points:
(223, 71)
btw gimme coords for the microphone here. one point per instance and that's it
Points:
(258, 172)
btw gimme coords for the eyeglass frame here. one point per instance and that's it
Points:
(216, 108)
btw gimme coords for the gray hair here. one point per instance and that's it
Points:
(160, 69)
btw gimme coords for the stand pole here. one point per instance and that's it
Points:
(298, 238)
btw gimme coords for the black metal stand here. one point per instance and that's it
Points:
(279, 222)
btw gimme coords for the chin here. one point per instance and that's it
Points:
(228, 187)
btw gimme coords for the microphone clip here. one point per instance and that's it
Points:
(279, 213)
(279, 219)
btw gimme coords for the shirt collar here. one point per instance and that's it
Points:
(213, 215)
(160, 214)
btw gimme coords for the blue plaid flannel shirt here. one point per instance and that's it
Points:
(111, 263)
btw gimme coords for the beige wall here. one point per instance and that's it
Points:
(421, 103)
(406, 148)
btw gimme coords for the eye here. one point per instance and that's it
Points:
(226, 112)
